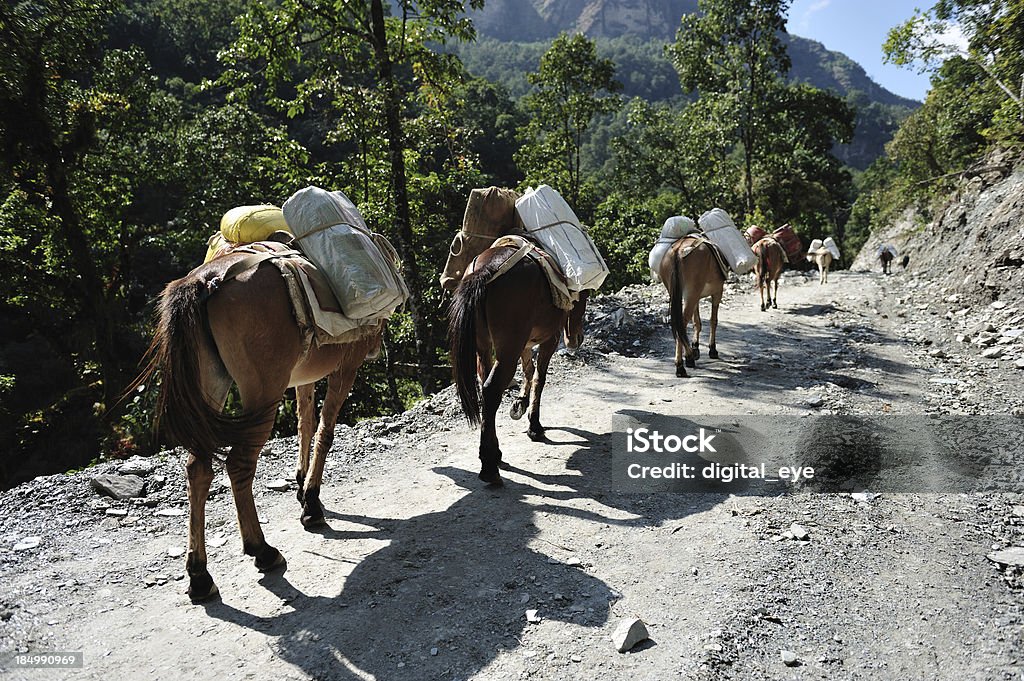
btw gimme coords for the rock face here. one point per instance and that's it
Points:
(529, 20)
(610, 18)
(974, 246)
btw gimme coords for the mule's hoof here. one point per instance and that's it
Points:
(537, 435)
(517, 410)
(775, 305)
(762, 308)
(691, 362)
(696, 352)
(270, 559)
(681, 372)
(312, 520)
(712, 353)
(201, 588)
(492, 479)
(504, 466)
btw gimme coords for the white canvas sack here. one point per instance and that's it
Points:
(549, 219)
(362, 267)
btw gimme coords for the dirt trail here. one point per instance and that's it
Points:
(425, 574)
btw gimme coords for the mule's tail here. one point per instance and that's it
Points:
(467, 301)
(675, 296)
(183, 413)
(468, 298)
(766, 272)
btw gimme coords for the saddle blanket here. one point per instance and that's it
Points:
(561, 296)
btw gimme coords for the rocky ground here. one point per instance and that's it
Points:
(423, 573)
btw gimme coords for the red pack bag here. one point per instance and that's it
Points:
(754, 234)
(790, 242)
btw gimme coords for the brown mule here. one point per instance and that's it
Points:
(886, 257)
(509, 317)
(690, 271)
(243, 332)
(767, 269)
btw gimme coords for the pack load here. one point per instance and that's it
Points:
(832, 248)
(720, 230)
(245, 225)
(675, 228)
(490, 213)
(549, 220)
(214, 245)
(790, 242)
(816, 245)
(754, 234)
(888, 247)
(361, 266)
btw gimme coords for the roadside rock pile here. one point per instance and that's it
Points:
(623, 322)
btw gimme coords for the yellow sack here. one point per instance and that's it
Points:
(214, 245)
(246, 224)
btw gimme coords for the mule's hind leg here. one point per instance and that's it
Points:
(200, 583)
(544, 353)
(502, 372)
(241, 467)
(689, 311)
(522, 402)
(304, 408)
(696, 331)
(683, 352)
(339, 384)
(680, 356)
(775, 298)
(712, 349)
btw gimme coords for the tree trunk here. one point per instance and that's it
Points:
(101, 314)
(400, 194)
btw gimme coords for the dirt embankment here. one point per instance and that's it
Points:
(974, 248)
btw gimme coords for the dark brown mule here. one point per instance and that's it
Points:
(242, 331)
(767, 269)
(690, 275)
(886, 258)
(508, 317)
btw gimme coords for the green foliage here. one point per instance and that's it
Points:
(994, 34)
(625, 233)
(748, 124)
(878, 203)
(489, 121)
(968, 111)
(683, 153)
(798, 179)
(573, 86)
(733, 48)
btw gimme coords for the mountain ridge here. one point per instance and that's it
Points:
(512, 34)
(527, 21)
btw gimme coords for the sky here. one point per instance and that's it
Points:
(857, 28)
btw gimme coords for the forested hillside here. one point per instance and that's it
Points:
(130, 126)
